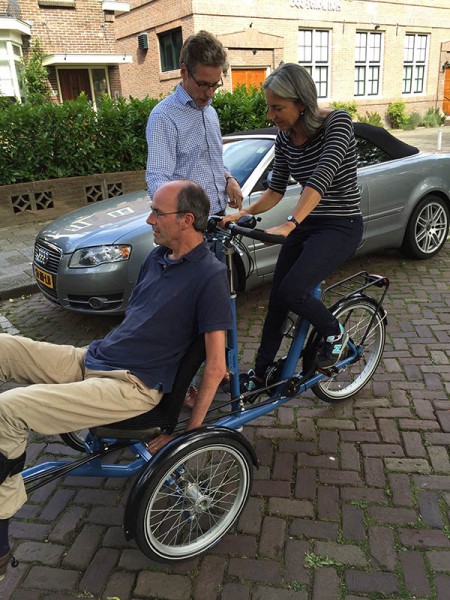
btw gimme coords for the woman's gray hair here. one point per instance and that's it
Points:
(193, 199)
(293, 82)
(205, 49)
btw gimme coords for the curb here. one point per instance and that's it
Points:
(20, 290)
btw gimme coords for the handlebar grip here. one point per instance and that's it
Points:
(256, 234)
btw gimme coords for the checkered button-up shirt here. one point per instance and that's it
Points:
(185, 142)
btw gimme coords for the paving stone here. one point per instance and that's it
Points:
(162, 585)
(439, 560)
(99, 570)
(262, 571)
(392, 516)
(47, 578)
(209, 578)
(400, 487)
(414, 573)
(236, 591)
(423, 538)
(413, 444)
(295, 570)
(382, 548)
(326, 584)
(328, 503)
(120, 585)
(344, 554)
(47, 554)
(353, 523)
(408, 465)
(430, 510)
(314, 529)
(272, 537)
(291, 508)
(381, 582)
(265, 593)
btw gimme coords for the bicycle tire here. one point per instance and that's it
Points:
(75, 439)
(355, 315)
(193, 499)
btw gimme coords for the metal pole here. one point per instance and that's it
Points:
(439, 138)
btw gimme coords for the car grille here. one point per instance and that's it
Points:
(109, 302)
(47, 257)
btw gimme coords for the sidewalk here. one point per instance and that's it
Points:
(16, 243)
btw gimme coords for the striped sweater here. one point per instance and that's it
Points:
(326, 163)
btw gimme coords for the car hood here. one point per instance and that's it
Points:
(104, 222)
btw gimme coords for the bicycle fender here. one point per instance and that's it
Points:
(170, 451)
(360, 296)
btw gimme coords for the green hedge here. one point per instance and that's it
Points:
(69, 139)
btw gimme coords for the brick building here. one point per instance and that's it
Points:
(371, 52)
(77, 37)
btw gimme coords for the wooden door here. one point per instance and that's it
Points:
(73, 82)
(248, 77)
(446, 103)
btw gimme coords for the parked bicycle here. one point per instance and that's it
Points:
(188, 496)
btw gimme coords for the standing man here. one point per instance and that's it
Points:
(181, 292)
(184, 138)
(183, 131)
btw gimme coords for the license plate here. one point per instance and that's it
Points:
(43, 277)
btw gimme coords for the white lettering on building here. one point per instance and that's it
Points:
(333, 5)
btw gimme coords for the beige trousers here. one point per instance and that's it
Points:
(63, 397)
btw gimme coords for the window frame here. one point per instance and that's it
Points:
(175, 38)
(316, 58)
(415, 63)
(368, 65)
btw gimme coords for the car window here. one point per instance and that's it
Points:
(369, 154)
(242, 156)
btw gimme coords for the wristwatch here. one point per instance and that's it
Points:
(292, 219)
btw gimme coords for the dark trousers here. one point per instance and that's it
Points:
(315, 249)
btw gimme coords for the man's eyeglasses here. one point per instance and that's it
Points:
(159, 213)
(203, 85)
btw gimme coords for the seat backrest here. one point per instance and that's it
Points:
(166, 414)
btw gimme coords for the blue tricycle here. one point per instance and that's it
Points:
(187, 497)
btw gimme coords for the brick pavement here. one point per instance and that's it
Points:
(351, 501)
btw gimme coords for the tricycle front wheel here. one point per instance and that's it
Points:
(193, 499)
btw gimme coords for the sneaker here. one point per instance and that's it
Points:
(331, 349)
(249, 383)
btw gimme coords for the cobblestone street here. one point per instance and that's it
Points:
(351, 501)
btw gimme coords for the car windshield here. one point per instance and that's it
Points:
(242, 156)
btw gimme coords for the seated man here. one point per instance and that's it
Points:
(182, 291)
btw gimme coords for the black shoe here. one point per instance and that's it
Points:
(331, 350)
(249, 383)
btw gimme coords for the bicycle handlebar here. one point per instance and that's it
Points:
(256, 234)
(247, 230)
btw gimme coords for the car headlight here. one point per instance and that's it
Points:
(99, 255)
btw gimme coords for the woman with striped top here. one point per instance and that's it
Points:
(317, 148)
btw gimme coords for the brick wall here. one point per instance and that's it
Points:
(38, 200)
(394, 17)
(78, 29)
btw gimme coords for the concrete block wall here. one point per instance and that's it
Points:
(40, 200)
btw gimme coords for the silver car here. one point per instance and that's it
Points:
(88, 260)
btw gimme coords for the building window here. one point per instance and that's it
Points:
(367, 63)
(414, 63)
(314, 55)
(170, 43)
(11, 84)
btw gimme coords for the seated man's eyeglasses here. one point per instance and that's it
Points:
(159, 213)
(204, 85)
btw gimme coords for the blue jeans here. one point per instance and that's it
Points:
(316, 248)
